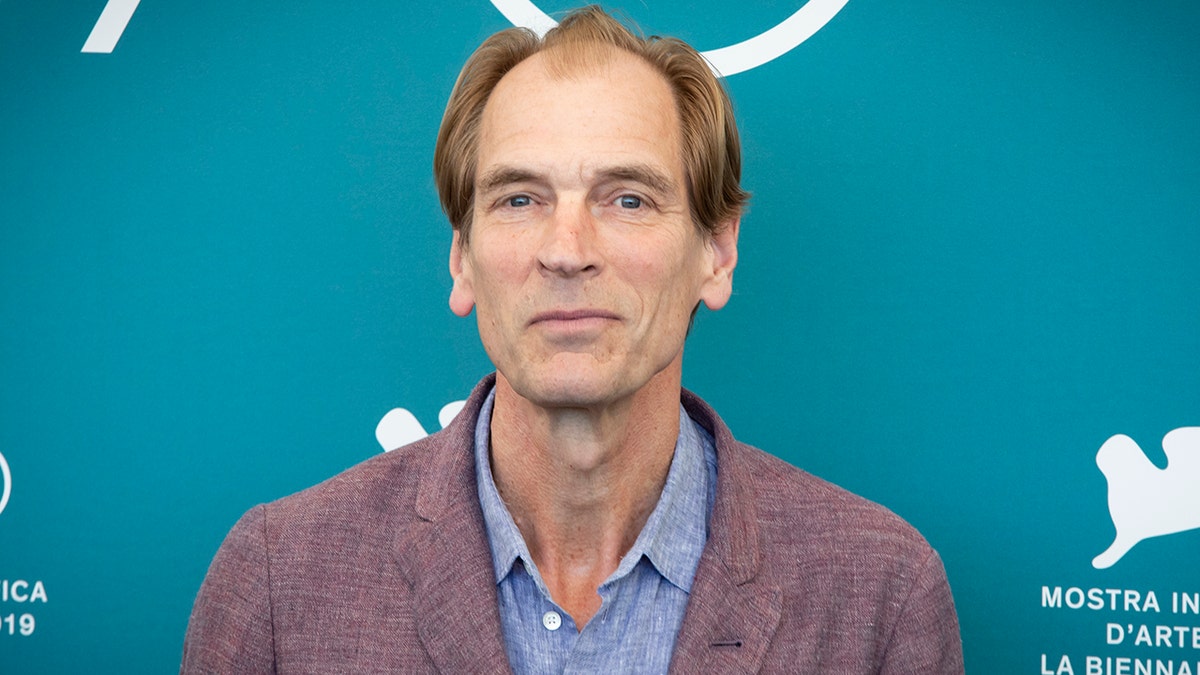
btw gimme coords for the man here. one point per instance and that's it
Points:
(582, 513)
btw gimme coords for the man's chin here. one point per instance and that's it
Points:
(572, 395)
(562, 389)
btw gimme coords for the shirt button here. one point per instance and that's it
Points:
(551, 620)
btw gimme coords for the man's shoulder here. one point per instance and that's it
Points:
(375, 502)
(797, 513)
(395, 471)
(352, 505)
(798, 509)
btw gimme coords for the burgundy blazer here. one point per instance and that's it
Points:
(386, 568)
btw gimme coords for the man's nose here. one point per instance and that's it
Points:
(568, 246)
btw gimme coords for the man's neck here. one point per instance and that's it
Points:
(581, 483)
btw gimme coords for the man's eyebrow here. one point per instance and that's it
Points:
(645, 174)
(653, 178)
(505, 175)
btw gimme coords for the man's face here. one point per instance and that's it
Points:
(584, 264)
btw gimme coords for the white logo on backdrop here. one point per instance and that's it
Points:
(6, 480)
(110, 26)
(1144, 500)
(400, 427)
(736, 58)
(730, 60)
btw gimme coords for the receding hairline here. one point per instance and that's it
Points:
(572, 58)
(582, 57)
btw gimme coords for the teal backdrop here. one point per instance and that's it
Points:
(972, 258)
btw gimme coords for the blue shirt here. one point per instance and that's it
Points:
(642, 602)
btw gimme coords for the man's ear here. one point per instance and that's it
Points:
(462, 295)
(723, 250)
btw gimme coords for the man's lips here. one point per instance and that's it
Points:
(571, 315)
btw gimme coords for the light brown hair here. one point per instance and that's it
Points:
(712, 156)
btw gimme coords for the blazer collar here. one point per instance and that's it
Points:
(450, 478)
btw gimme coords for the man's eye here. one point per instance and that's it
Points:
(629, 202)
(519, 201)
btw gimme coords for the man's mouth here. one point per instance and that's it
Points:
(572, 319)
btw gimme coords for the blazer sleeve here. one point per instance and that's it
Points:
(926, 638)
(230, 629)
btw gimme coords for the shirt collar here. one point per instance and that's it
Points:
(506, 541)
(672, 539)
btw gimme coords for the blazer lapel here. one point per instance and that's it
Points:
(733, 612)
(447, 557)
(456, 612)
(728, 627)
